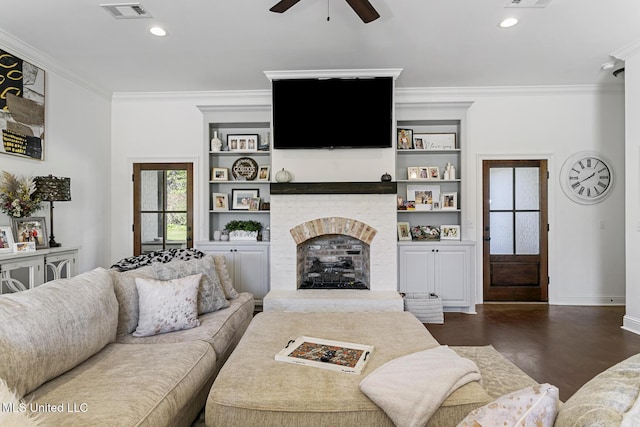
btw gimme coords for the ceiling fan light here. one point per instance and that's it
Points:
(158, 31)
(509, 22)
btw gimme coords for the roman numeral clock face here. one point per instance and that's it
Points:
(587, 178)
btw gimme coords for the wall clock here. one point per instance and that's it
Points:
(587, 177)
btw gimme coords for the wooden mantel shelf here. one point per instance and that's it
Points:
(334, 188)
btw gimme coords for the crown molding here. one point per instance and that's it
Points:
(46, 62)
(627, 51)
(334, 74)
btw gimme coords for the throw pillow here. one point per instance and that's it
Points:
(14, 411)
(167, 306)
(223, 273)
(532, 406)
(211, 296)
(165, 255)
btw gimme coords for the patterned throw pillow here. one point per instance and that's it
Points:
(211, 296)
(223, 274)
(167, 306)
(535, 406)
(166, 255)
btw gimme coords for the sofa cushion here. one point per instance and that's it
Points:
(167, 306)
(223, 273)
(124, 285)
(48, 330)
(210, 294)
(533, 406)
(133, 385)
(218, 328)
(605, 399)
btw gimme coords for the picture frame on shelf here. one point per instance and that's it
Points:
(30, 229)
(425, 232)
(449, 232)
(418, 143)
(436, 205)
(423, 196)
(413, 173)
(449, 201)
(219, 174)
(438, 141)
(254, 204)
(404, 232)
(263, 173)
(434, 172)
(241, 198)
(24, 247)
(6, 239)
(405, 139)
(243, 142)
(400, 203)
(220, 201)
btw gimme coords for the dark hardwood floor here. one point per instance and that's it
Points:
(561, 345)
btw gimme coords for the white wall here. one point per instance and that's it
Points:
(77, 137)
(586, 262)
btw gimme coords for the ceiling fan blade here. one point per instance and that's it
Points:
(365, 11)
(283, 5)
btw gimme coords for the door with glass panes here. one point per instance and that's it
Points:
(515, 228)
(163, 206)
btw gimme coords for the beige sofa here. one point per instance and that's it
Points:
(67, 349)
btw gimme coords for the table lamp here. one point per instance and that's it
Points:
(52, 189)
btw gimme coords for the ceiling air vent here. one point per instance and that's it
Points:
(528, 3)
(126, 10)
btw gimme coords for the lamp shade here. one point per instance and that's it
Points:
(53, 189)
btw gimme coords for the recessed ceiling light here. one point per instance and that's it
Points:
(158, 31)
(509, 22)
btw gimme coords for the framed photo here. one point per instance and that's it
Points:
(220, 201)
(425, 232)
(24, 247)
(241, 198)
(244, 142)
(400, 203)
(219, 174)
(404, 233)
(436, 205)
(437, 141)
(254, 204)
(449, 201)
(263, 173)
(423, 196)
(449, 232)
(6, 239)
(418, 143)
(405, 139)
(434, 172)
(413, 172)
(31, 229)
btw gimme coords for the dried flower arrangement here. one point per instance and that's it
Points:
(17, 196)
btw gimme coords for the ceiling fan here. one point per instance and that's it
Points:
(363, 8)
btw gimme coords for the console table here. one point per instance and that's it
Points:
(26, 270)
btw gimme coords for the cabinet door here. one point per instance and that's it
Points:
(60, 265)
(451, 275)
(251, 270)
(21, 274)
(416, 269)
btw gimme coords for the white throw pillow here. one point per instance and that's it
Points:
(167, 306)
(223, 273)
(535, 406)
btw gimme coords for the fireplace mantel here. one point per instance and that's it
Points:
(334, 188)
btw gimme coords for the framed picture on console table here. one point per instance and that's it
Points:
(6, 239)
(31, 229)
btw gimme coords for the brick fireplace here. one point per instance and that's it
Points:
(361, 211)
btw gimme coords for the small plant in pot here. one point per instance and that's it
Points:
(243, 230)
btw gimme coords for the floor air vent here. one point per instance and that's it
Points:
(126, 10)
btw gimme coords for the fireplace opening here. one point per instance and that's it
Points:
(333, 262)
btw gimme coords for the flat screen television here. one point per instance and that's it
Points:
(332, 113)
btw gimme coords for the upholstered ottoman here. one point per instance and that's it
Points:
(253, 389)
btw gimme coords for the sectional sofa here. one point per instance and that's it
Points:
(91, 350)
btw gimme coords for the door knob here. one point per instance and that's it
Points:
(487, 238)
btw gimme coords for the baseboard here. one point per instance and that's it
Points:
(595, 300)
(631, 324)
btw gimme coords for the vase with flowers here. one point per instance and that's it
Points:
(18, 196)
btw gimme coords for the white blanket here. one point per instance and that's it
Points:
(410, 389)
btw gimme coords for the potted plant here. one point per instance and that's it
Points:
(243, 230)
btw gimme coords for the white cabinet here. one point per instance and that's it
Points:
(21, 271)
(248, 265)
(444, 268)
